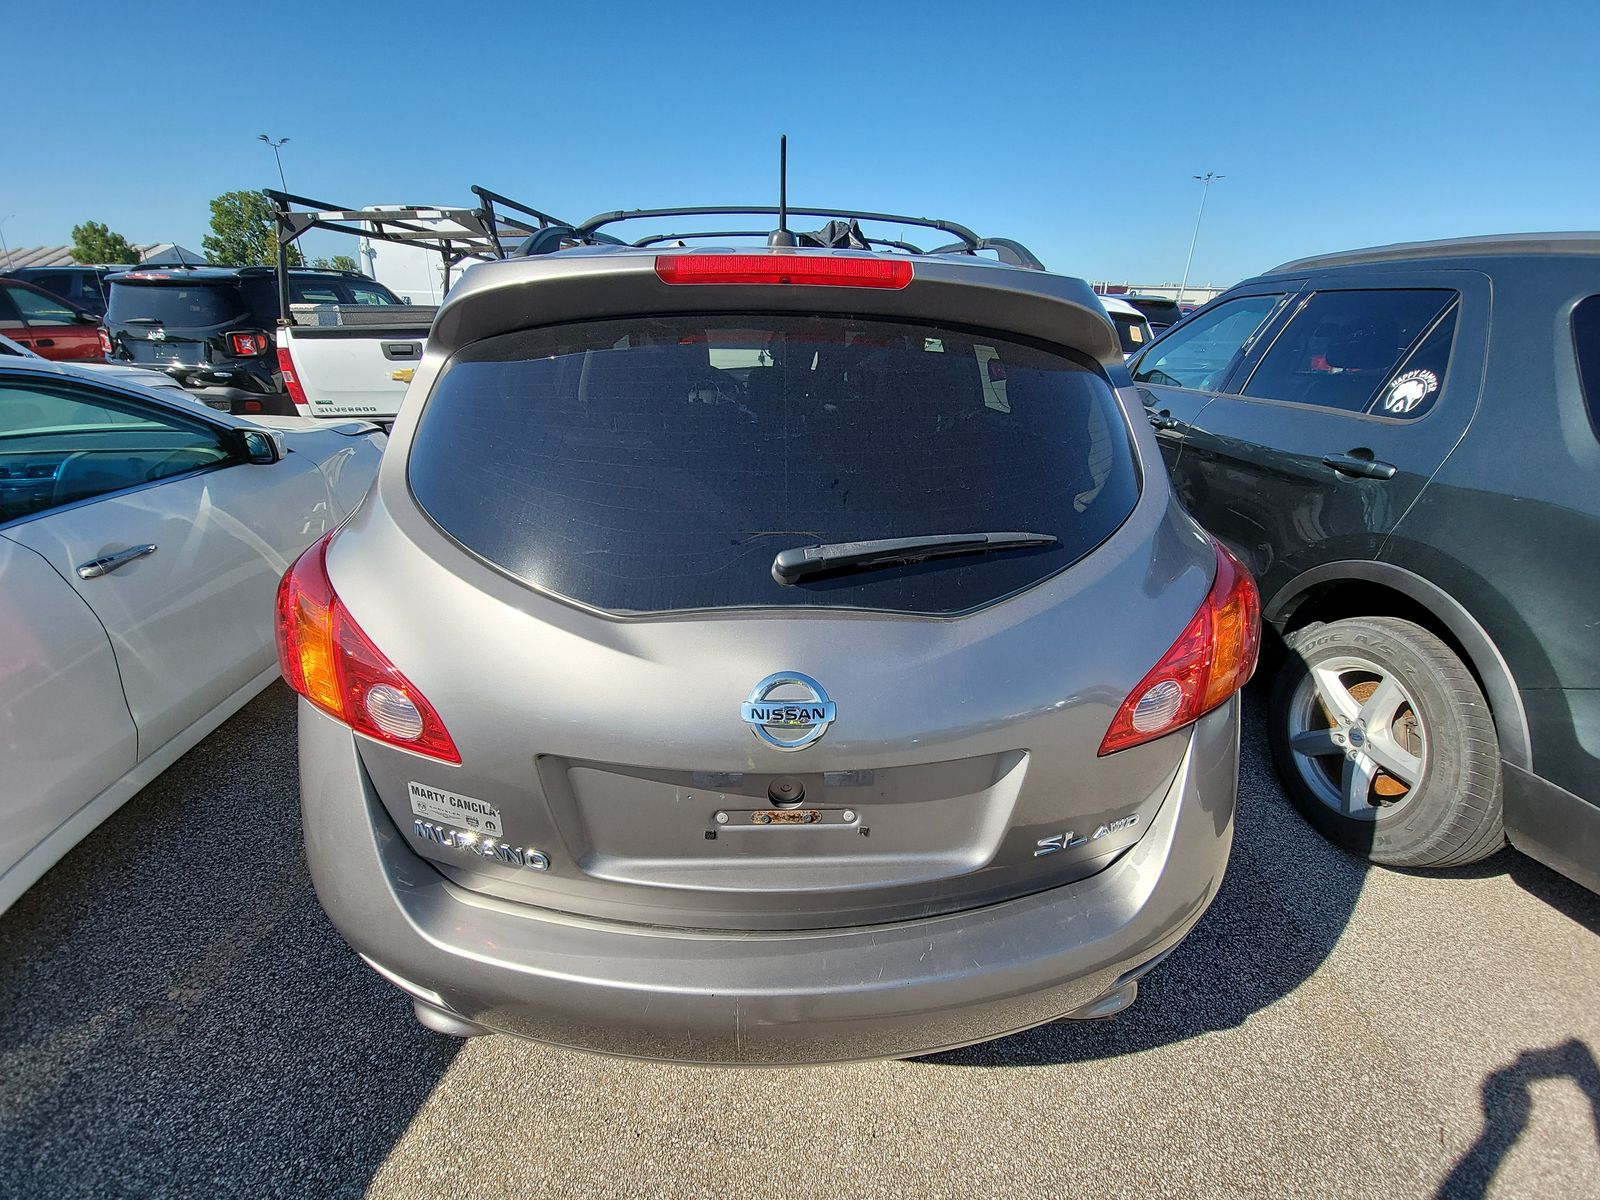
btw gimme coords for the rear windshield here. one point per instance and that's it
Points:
(189, 305)
(1131, 331)
(652, 465)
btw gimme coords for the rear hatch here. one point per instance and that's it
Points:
(571, 555)
(159, 321)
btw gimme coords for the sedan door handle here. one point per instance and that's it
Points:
(1358, 464)
(108, 563)
(1163, 421)
(44, 341)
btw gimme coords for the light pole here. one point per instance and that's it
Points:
(1206, 181)
(275, 144)
(3, 245)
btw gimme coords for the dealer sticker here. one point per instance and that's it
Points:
(461, 811)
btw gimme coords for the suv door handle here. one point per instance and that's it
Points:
(1163, 421)
(1359, 464)
(108, 563)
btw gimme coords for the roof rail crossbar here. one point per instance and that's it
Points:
(1007, 249)
(972, 240)
(658, 238)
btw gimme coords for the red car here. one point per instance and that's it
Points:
(48, 325)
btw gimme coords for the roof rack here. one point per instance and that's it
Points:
(484, 233)
(556, 236)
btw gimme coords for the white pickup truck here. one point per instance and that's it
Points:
(351, 360)
(342, 360)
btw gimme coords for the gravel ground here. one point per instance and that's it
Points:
(178, 1019)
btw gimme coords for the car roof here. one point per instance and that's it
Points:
(176, 401)
(1500, 245)
(226, 274)
(1119, 305)
(197, 274)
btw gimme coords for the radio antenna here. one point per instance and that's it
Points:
(781, 235)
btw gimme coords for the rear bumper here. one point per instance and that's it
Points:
(242, 402)
(814, 996)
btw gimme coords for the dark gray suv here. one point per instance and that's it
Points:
(1404, 444)
(767, 655)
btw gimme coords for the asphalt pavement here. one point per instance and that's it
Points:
(177, 1018)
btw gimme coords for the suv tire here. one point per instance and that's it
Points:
(1358, 706)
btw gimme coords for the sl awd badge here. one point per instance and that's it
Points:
(802, 706)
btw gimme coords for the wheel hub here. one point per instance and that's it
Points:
(1337, 712)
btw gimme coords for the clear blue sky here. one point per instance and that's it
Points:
(1073, 127)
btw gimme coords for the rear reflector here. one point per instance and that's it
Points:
(297, 393)
(812, 270)
(327, 658)
(1211, 660)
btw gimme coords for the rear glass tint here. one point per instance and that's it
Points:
(652, 465)
(186, 305)
(1586, 341)
(1342, 345)
(1131, 331)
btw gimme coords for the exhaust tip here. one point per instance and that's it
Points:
(1108, 1005)
(446, 1023)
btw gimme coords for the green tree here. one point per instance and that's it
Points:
(244, 232)
(93, 242)
(339, 262)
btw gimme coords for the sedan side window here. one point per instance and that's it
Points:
(61, 443)
(1341, 346)
(1199, 354)
(39, 308)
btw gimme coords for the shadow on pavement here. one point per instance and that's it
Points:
(1285, 901)
(177, 1017)
(1508, 1106)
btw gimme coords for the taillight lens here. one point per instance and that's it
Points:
(105, 342)
(247, 345)
(327, 658)
(821, 270)
(1211, 660)
(290, 382)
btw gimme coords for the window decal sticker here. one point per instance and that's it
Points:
(1409, 390)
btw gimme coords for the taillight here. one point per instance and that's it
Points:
(105, 342)
(817, 270)
(328, 659)
(290, 383)
(247, 345)
(1211, 660)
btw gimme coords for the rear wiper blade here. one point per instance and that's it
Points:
(143, 321)
(793, 565)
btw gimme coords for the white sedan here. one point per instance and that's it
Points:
(142, 537)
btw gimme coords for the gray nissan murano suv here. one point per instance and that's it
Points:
(767, 655)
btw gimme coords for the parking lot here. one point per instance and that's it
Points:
(180, 1020)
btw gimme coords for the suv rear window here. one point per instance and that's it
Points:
(186, 305)
(652, 465)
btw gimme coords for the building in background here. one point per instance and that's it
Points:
(1195, 294)
(151, 254)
